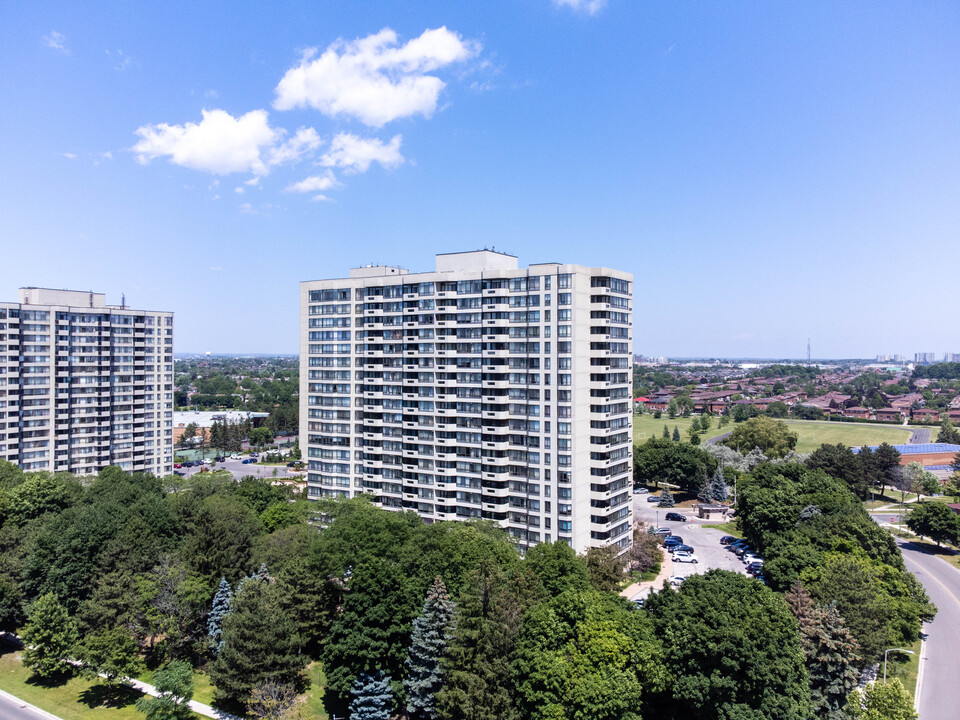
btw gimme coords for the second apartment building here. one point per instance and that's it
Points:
(478, 390)
(84, 385)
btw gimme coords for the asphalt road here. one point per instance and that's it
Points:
(920, 436)
(939, 692)
(704, 541)
(11, 709)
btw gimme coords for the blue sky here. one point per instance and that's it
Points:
(767, 171)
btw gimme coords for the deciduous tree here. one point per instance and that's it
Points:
(935, 521)
(49, 638)
(174, 686)
(773, 437)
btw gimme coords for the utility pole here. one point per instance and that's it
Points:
(808, 351)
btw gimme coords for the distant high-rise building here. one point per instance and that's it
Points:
(951, 357)
(84, 385)
(479, 390)
(925, 358)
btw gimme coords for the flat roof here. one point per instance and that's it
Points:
(920, 448)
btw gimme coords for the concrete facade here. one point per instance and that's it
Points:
(84, 385)
(480, 390)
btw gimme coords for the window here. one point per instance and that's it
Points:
(565, 526)
(564, 281)
(563, 299)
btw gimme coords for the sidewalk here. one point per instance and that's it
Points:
(666, 570)
(197, 707)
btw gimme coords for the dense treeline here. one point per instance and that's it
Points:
(812, 529)
(252, 583)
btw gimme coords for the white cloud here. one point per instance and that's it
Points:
(220, 143)
(69, 155)
(106, 155)
(305, 140)
(315, 184)
(253, 182)
(213, 94)
(239, 190)
(374, 79)
(355, 154)
(590, 7)
(123, 61)
(56, 41)
(223, 144)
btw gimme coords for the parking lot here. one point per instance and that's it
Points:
(239, 470)
(705, 541)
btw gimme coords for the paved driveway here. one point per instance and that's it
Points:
(704, 541)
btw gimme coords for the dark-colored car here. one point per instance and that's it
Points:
(727, 539)
(675, 517)
(741, 549)
(673, 540)
(220, 458)
(653, 498)
(755, 568)
(682, 548)
(178, 473)
(247, 461)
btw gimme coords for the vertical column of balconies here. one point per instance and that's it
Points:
(611, 413)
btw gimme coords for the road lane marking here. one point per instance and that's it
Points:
(918, 688)
(935, 578)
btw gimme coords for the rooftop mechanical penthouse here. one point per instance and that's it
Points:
(478, 390)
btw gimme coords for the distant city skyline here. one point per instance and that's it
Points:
(767, 173)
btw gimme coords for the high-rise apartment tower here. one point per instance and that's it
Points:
(480, 390)
(84, 385)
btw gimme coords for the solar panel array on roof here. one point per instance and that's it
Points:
(920, 449)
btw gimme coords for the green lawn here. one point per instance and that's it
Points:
(202, 689)
(812, 433)
(730, 528)
(76, 699)
(905, 667)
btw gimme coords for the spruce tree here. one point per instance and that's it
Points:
(372, 697)
(676, 434)
(428, 644)
(666, 499)
(718, 486)
(705, 494)
(49, 638)
(666, 432)
(831, 653)
(260, 644)
(218, 611)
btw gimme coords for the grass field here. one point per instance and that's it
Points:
(76, 699)
(812, 433)
(905, 667)
(730, 528)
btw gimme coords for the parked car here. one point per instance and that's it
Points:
(675, 517)
(755, 568)
(684, 557)
(254, 455)
(742, 550)
(681, 548)
(179, 473)
(661, 531)
(672, 540)
(653, 498)
(235, 457)
(247, 461)
(727, 539)
(676, 579)
(295, 464)
(178, 465)
(751, 557)
(220, 458)
(640, 491)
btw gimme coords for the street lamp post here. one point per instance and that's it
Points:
(903, 650)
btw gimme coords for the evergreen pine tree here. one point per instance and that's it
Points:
(49, 637)
(260, 644)
(666, 499)
(218, 611)
(831, 653)
(666, 432)
(705, 494)
(372, 697)
(676, 434)
(428, 644)
(695, 425)
(718, 486)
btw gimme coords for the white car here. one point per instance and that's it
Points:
(234, 457)
(676, 579)
(640, 491)
(750, 558)
(684, 557)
